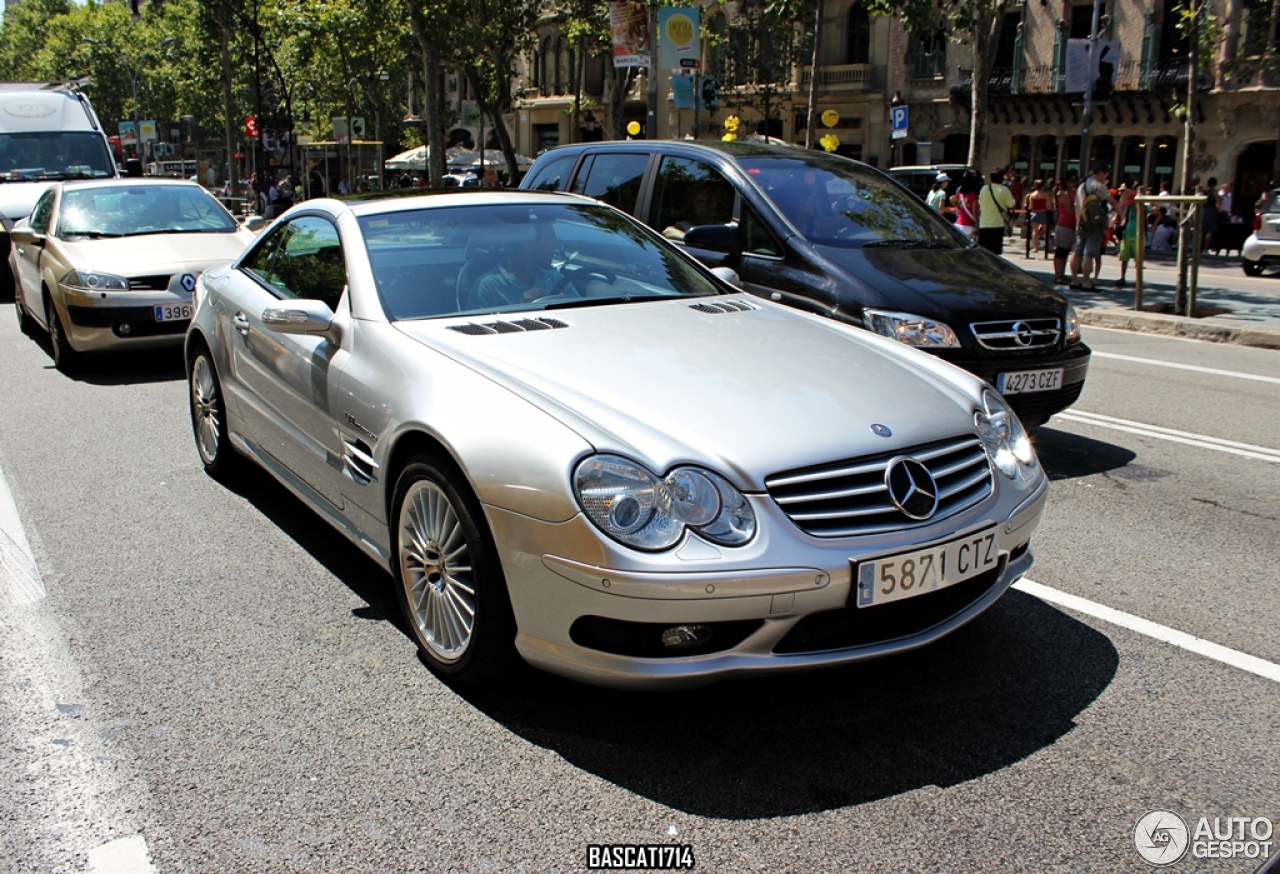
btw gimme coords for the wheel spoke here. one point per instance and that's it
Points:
(435, 564)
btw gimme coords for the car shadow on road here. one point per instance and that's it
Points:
(1066, 455)
(125, 368)
(1000, 690)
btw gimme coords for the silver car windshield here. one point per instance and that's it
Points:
(136, 210)
(53, 155)
(448, 261)
(836, 203)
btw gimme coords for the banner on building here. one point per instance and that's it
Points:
(682, 90)
(629, 25)
(1105, 64)
(678, 43)
(128, 135)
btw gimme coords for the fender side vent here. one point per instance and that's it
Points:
(358, 458)
(520, 326)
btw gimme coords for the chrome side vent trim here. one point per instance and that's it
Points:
(722, 306)
(850, 498)
(357, 457)
(519, 326)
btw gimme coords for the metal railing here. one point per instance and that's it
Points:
(839, 77)
(1133, 77)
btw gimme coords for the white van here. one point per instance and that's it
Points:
(48, 131)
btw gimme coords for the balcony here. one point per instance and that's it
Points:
(1251, 72)
(1132, 77)
(839, 77)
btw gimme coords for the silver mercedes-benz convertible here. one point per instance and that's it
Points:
(568, 440)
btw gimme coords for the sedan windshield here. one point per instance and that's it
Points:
(53, 155)
(837, 203)
(135, 210)
(449, 261)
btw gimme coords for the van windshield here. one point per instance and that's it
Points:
(837, 203)
(26, 157)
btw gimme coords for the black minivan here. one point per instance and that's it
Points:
(836, 237)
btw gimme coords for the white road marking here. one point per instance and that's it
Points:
(1198, 645)
(17, 565)
(1248, 450)
(123, 856)
(1211, 370)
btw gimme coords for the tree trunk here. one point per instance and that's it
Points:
(433, 120)
(982, 36)
(228, 102)
(1186, 227)
(811, 123)
(579, 83)
(1230, 39)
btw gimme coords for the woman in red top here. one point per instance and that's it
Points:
(1064, 231)
(1036, 203)
(965, 200)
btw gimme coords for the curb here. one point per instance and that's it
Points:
(1178, 326)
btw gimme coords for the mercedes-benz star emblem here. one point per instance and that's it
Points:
(881, 430)
(1022, 334)
(911, 487)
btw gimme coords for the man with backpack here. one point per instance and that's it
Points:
(994, 203)
(1092, 219)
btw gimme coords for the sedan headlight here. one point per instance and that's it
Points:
(638, 508)
(1005, 439)
(1073, 325)
(89, 280)
(910, 329)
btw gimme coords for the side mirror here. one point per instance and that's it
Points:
(26, 235)
(301, 316)
(254, 223)
(715, 238)
(729, 275)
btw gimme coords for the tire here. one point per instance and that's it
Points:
(209, 417)
(448, 577)
(1251, 268)
(65, 356)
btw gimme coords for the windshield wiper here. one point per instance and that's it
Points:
(905, 244)
(94, 234)
(602, 301)
(179, 231)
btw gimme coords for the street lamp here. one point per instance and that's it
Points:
(134, 67)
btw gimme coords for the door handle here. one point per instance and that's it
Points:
(241, 323)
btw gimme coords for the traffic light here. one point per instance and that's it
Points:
(710, 93)
(251, 126)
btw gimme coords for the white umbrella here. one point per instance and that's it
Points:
(491, 156)
(414, 159)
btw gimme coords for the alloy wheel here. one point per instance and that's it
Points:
(436, 571)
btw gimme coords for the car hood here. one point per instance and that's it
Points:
(157, 253)
(17, 199)
(749, 393)
(964, 284)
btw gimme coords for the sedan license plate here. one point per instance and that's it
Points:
(174, 312)
(908, 574)
(1029, 380)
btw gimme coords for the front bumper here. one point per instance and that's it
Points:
(773, 616)
(1263, 251)
(121, 320)
(1036, 407)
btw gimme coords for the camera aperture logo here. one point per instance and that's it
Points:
(1161, 837)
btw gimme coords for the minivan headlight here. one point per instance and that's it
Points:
(91, 280)
(1073, 325)
(1003, 436)
(911, 329)
(638, 508)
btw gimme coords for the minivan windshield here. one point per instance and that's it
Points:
(26, 157)
(835, 203)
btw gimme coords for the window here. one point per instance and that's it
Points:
(1008, 37)
(552, 174)
(858, 37)
(690, 193)
(613, 179)
(757, 239)
(1082, 20)
(929, 56)
(42, 213)
(303, 259)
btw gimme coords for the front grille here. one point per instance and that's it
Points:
(149, 283)
(1017, 333)
(722, 306)
(849, 498)
(851, 627)
(141, 320)
(519, 326)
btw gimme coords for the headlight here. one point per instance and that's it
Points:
(912, 330)
(1073, 325)
(88, 280)
(636, 507)
(1005, 439)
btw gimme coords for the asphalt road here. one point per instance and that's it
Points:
(214, 679)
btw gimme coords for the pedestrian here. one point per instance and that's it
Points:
(1092, 199)
(937, 198)
(1128, 215)
(965, 200)
(1209, 215)
(315, 184)
(1064, 230)
(489, 177)
(1037, 204)
(1225, 203)
(994, 202)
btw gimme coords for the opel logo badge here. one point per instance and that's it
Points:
(911, 487)
(1022, 334)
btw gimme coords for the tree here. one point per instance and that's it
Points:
(972, 22)
(766, 40)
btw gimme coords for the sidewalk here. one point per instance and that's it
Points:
(1234, 308)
